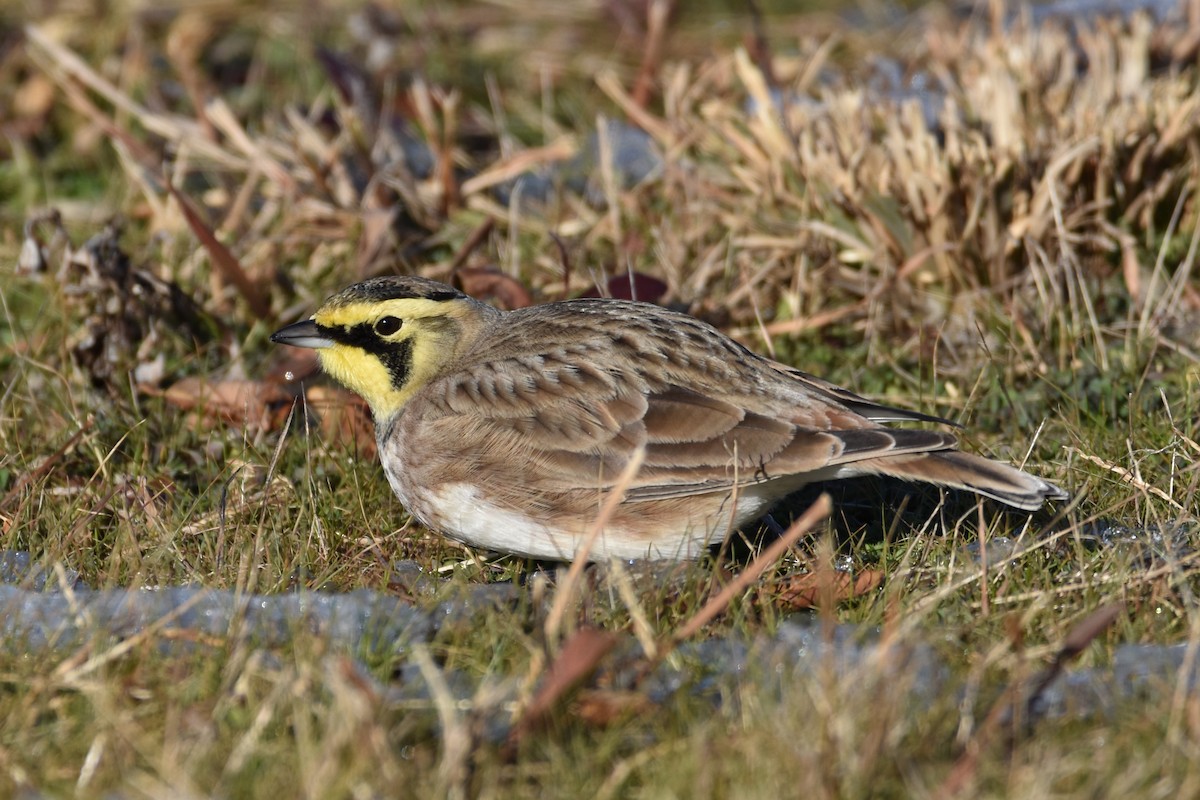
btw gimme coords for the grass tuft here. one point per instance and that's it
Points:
(990, 218)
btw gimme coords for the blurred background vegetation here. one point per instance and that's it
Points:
(983, 212)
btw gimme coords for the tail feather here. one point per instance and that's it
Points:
(956, 470)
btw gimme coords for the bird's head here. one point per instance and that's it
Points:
(385, 338)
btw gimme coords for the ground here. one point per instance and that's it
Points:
(988, 216)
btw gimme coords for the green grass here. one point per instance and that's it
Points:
(928, 270)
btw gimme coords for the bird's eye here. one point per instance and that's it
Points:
(386, 326)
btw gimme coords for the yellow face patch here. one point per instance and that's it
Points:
(362, 373)
(387, 351)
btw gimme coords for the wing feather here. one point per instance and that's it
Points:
(570, 418)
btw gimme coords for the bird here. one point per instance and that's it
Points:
(507, 430)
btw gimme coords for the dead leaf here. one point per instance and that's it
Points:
(603, 707)
(811, 589)
(1087, 630)
(631, 286)
(242, 402)
(483, 283)
(34, 97)
(345, 419)
(292, 365)
(578, 659)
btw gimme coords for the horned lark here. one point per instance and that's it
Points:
(505, 430)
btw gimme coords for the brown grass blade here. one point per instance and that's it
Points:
(222, 257)
(1083, 634)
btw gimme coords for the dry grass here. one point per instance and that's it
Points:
(1017, 255)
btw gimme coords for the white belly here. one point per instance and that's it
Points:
(466, 516)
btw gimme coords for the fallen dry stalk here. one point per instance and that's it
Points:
(47, 464)
(1128, 476)
(714, 607)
